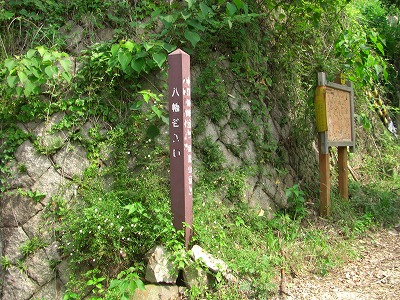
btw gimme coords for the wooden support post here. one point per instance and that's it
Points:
(343, 173)
(342, 159)
(324, 179)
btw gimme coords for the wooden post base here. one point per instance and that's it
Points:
(324, 181)
(343, 173)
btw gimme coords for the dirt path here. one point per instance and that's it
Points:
(376, 275)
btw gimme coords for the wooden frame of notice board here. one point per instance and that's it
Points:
(334, 109)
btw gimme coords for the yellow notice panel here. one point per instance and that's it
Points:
(339, 115)
(320, 109)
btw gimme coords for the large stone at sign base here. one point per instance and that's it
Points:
(159, 292)
(214, 264)
(195, 276)
(159, 268)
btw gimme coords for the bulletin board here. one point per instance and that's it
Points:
(334, 108)
(339, 115)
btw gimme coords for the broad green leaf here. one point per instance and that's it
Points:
(231, 8)
(156, 111)
(246, 9)
(140, 284)
(136, 106)
(30, 53)
(371, 61)
(5, 15)
(150, 63)
(385, 74)
(365, 47)
(165, 119)
(90, 282)
(238, 3)
(19, 91)
(47, 56)
(41, 50)
(373, 36)
(145, 95)
(205, 10)
(131, 208)
(10, 64)
(167, 20)
(186, 14)
(27, 63)
(22, 76)
(56, 55)
(192, 37)
(50, 71)
(12, 81)
(124, 58)
(339, 44)
(137, 65)
(190, 2)
(159, 58)
(378, 69)
(132, 286)
(66, 64)
(141, 54)
(380, 48)
(230, 23)
(29, 88)
(67, 76)
(152, 131)
(196, 25)
(35, 71)
(156, 13)
(168, 47)
(383, 41)
(114, 49)
(148, 46)
(129, 45)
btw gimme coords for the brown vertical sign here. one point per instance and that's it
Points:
(180, 132)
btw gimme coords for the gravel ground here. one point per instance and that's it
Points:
(375, 275)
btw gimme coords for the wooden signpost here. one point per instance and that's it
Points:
(334, 110)
(180, 132)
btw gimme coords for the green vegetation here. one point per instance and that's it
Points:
(268, 52)
(5, 263)
(34, 195)
(31, 246)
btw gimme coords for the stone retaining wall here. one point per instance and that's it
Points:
(37, 271)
